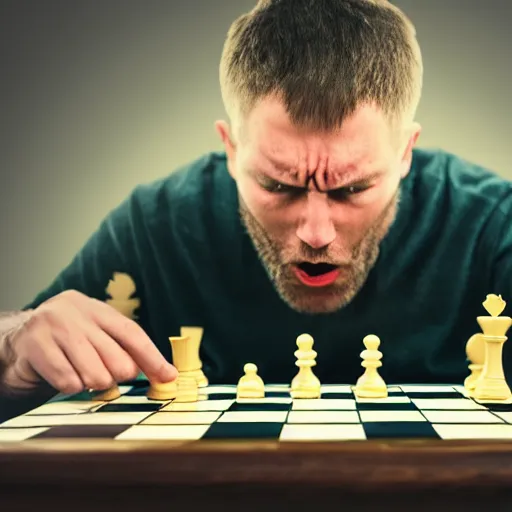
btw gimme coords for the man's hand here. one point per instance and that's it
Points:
(74, 343)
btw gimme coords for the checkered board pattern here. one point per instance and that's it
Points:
(410, 411)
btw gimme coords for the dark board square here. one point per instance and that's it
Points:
(277, 394)
(222, 396)
(249, 430)
(396, 393)
(145, 407)
(498, 407)
(255, 406)
(337, 396)
(82, 431)
(386, 406)
(399, 429)
(433, 394)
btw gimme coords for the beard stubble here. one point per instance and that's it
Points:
(354, 273)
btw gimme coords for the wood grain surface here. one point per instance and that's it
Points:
(395, 475)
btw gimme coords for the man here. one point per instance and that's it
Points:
(319, 217)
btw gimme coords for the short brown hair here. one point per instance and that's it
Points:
(323, 58)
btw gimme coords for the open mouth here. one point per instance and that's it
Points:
(316, 269)
(316, 274)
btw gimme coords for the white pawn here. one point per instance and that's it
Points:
(371, 384)
(250, 385)
(305, 384)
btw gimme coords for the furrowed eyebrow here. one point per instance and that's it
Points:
(350, 180)
(284, 170)
(362, 178)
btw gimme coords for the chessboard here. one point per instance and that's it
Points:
(435, 412)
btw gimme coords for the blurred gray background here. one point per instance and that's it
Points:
(100, 95)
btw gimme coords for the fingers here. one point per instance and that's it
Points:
(73, 342)
(132, 338)
(49, 361)
(85, 360)
(116, 360)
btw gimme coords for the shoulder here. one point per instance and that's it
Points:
(185, 183)
(454, 185)
(449, 205)
(182, 193)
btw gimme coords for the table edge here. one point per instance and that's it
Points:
(353, 465)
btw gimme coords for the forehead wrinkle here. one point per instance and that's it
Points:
(341, 180)
(335, 177)
(286, 172)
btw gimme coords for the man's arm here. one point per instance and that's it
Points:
(17, 401)
(110, 249)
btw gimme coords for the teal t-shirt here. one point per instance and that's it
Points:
(181, 239)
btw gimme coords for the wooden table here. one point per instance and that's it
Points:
(91, 475)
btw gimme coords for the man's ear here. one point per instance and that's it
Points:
(405, 164)
(223, 129)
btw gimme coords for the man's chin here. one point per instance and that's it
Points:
(316, 300)
(315, 303)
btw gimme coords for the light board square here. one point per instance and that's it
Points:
(19, 434)
(207, 405)
(461, 417)
(462, 431)
(98, 418)
(211, 390)
(181, 418)
(446, 403)
(266, 400)
(254, 416)
(387, 400)
(323, 417)
(367, 416)
(323, 404)
(65, 408)
(415, 388)
(507, 416)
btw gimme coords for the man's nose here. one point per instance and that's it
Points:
(316, 228)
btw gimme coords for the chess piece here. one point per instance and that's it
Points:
(305, 384)
(491, 385)
(188, 390)
(371, 384)
(106, 395)
(162, 390)
(187, 358)
(250, 385)
(121, 288)
(475, 351)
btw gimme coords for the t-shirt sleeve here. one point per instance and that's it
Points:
(109, 250)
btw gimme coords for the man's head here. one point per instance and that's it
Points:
(321, 97)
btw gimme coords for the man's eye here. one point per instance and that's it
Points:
(346, 192)
(280, 188)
